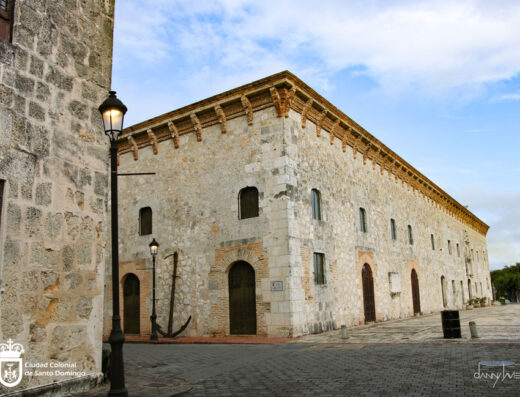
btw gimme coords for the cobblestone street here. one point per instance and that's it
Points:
(432, 367)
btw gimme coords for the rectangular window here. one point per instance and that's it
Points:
(315, 204)
(319, 268)
(458, 250)
(449, 247)
(362, 220)
(392, 229)
(1, 199)
(410, 235)
(433, 242)
(6, 19)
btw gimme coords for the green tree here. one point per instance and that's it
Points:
(507, 282)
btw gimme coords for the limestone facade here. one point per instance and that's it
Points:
(55, 70)
(284, 139)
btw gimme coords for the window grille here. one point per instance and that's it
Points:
(248, 200)
(316, 204)
(410, 235)
(145, 221)
(319, 271)
(362, 220)
(393, 231)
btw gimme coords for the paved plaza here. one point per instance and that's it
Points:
(398, 358)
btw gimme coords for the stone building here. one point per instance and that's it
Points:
(288, 218)
(55, 70)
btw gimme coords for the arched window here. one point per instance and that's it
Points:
(248, 202)
(393, 232)
(362, 220)
(316, 204)
(145, 221)
(410, 235)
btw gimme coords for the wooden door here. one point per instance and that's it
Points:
(415, 293)
(242, 301)
(131, 309)
(369, 303)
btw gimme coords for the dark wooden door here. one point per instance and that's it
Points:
(415, 293)
(368, 294)
(131, 309)
(242, 301)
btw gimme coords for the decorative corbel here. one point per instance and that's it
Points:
(221, 118)
(288, 101)
(276, 100)
(174, 133)
(344, 139)
(248, 108)
(334, 126)
(305, 110)
(135, 149)
(355, 146)
(366, 150)
(153, 140)
(319, 124)
(196, 126)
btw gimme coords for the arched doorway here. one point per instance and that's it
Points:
(242, 301)
(443, 289)
(131, 310)
(369, 303)
(415, 293)
(470, 293)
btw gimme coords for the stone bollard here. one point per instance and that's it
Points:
(344, 332)
(473, 330)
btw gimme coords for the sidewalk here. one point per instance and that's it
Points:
(199, 339)
(495, 324)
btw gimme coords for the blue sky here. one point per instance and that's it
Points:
(436, 81)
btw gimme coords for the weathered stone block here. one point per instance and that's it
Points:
(73, 280)
(68, 257)
(36, 111)
(25, 85)
(14, 218)
(100, 183)
(43, 193)
(84, 307)
(33, 221)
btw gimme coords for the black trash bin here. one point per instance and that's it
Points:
(451, 324)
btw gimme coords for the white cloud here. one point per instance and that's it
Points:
(506, 97)
(431, 46)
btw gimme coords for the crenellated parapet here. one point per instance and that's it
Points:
(285, 92)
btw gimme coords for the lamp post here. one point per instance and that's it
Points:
(154, 248)
(113, 111)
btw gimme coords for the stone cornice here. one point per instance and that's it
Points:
(285, 91)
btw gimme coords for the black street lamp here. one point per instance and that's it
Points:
(154, 248)
(113, 111)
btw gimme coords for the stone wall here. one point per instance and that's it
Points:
(202, 164)
(53, 158)
(194, 199)
(347, 183)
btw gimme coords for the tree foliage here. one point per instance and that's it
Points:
(507, 282)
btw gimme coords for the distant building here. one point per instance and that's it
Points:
(288, 218)
(55, 70)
